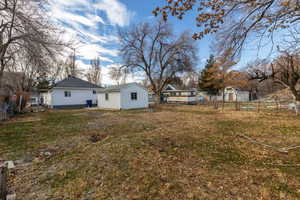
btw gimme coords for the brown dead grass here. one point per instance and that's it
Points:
(174, 152)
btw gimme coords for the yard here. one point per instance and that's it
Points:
(171, 152)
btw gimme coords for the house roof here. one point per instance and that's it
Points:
(117, 88)
(170, 87)
(73, 82)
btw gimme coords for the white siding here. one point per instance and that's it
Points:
(78, 97)
(181, 99)
(242, 96)
(47, 98)
(142, 97)
(113, 101)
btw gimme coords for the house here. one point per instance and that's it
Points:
(232, 94)
(34, 99)
(173, 95)
(71, 92)
(125, 96)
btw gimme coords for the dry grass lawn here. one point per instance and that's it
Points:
(171, 152)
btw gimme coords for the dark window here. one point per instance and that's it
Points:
(67, 93)
(133, 96)
(32, 100)
(94, 92)
(106, 96)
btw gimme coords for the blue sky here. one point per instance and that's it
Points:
(92, 24)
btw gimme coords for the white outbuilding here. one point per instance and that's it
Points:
(123, 97)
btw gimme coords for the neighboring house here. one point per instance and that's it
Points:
(152, 98)
(126, 96)
(173, 95)
(232, 94)
(34, 99)
(71, 92)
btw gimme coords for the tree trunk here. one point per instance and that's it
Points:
(3, 183)
(1, 77)
(157, 98)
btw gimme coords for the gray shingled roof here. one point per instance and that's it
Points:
(116, 88)
(73, 82)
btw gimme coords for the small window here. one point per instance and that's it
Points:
(133, 96)
(67, 93)
(32, 100)
(94, 92)
(106, 96)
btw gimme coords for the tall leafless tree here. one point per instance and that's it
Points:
(157, 52)
(26, 32)
(119, 75)
(94, 72)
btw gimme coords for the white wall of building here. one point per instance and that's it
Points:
(142, 97)
(242, 96)
(181, 99)
(122, 99)
(113, 102)
(56, 97)
(46, 98)
(78, 97)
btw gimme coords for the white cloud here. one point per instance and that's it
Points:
(82, 66)
(68, 3)
(96, 18)
(91, 51)
(98, 38)
(67, 17)
(90, 24)
(203, 60)
(117, 13)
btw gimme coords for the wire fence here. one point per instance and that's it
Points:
(250, 106)
(3, 116)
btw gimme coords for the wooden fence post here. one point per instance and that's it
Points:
(3, 182)
(237, 105)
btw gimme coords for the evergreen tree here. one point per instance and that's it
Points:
(208, 79)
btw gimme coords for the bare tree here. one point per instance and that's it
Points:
(118, 74)
(26, 32)
(94, 73)
(285, 70)
(157, 52)
(70, 66)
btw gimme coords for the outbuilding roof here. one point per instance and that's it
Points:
(73, 82)
(117, 88)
